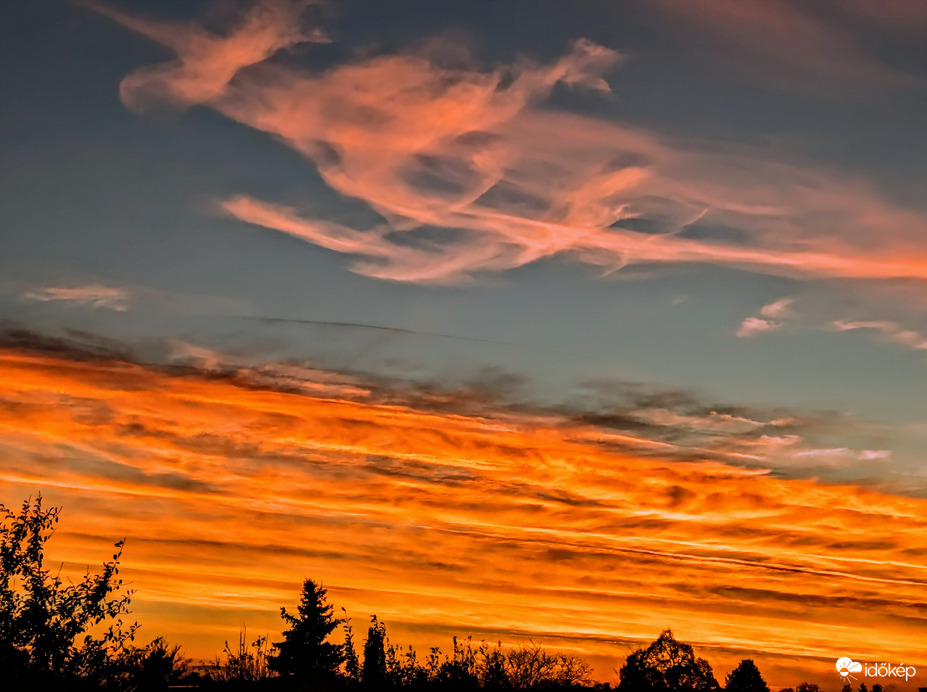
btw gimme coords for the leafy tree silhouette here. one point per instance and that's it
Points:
(42, 619)
(352, 667)
(666, 666)
(530, 667)
(374, 671)
(304, 653)
(745, 678)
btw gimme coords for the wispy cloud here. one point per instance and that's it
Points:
(770, 318)
(92, 295)
(207, 62)
(469, 174)
(892, 331)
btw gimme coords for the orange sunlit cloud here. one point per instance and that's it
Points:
(233, 487)
(475, 154)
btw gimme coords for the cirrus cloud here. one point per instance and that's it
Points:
(467, 170)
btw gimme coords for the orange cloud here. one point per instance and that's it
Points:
(207, 62)
(233, 485)
(470, 174)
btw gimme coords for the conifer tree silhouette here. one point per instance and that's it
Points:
(304, 653)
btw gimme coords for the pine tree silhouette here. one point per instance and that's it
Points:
(304, 653)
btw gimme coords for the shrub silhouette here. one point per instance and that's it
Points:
(45, 624)
(374, 671)
(745, 678)
(248, 664)
(666, 666)
(529, 667)
(304, 651)
(152, 667)
(352, 668)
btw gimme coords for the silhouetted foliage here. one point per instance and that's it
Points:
(247, 664)
(304, 651)
(352, 669)
(467, 667)
(745, 678)
(153, 667)
(666, 666)
(530, 667)
(57, 636)
(374, 673)
(50, 630)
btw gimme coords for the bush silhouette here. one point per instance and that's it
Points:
(151, 668)
(374, 671)
(44, 623)
(530, 667)
(745, 678)
(248, 664)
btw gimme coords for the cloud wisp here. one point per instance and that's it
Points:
(469, 172)
(770, 319)
(777, 314)
(892, 331)
(92, 295)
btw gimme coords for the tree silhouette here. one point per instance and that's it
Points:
(152, 668)
(530, 667)
(374, 671)
(304, 653)
(352, 667)
(745, 678)
(666, 666)
(43, 622)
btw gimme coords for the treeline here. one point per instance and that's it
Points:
(57, 636)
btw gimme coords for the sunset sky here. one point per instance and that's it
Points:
(524, 319)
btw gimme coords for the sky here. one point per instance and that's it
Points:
(531, 320)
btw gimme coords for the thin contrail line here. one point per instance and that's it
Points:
(403, 330)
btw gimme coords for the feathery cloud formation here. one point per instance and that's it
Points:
(469, 173)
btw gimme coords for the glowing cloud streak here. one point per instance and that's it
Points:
(231, 490)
